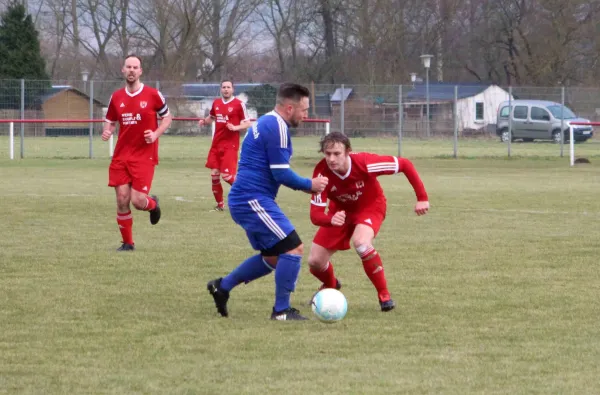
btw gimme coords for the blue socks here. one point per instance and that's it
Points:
(286, 275)
(249, 270)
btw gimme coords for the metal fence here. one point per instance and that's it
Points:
(454, 116)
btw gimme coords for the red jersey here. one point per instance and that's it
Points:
(223, 112)
(359, 190)
(136, 112)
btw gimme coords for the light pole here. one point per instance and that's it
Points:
(427, 63)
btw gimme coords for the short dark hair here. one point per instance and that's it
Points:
(291, 91)
(334, 138)
(226, 80)
(133, 56)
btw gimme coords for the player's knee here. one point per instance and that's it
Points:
(228, 178)
(139, 201)
(317, 264)
(139, 204)
(363, 249)
(299, 250)
(360, 242)
(214, 173)
(123, 200)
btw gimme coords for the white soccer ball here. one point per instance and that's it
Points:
(329, 305)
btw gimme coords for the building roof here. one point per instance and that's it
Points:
(444, 91)
(211, 91)
(35, 97)
(337, 95)
(56, 89)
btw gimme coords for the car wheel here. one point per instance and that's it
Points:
(504, 136)
(556, 136)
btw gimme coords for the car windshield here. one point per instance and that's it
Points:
(566, 112)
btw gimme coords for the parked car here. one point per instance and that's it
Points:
(539, 120)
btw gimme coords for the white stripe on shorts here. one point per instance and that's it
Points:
(266, 219)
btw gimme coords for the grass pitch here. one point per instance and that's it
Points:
(497, 287)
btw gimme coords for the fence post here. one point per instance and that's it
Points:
(11, 140)
(455, 121)
(22, 118)
(342, 111)
(400, 119)
(327, 127)
(157, 85)
(91, 125)
(562, 121)
(510, 111)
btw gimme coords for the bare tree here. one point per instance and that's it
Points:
(224, 33)
(286, 22)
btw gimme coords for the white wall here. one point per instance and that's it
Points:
(491, 99)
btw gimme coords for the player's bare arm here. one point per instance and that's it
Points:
(108, 130)
(339, 218)
(406, 166)
(243, 125)
(421, 208)
(151, 136)
(319, 184)
(206, 121)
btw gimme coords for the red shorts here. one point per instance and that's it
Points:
(137, 173)
(338, 237)
(223, 159)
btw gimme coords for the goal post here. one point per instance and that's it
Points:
(572, 127)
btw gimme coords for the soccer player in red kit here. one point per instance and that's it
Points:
(136, 108)
(357, 208)
(230, 116)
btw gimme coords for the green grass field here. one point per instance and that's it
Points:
(497, 287)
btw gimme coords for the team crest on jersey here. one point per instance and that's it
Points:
(230, 109)
(143, 104)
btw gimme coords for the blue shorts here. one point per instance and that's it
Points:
(262, 219)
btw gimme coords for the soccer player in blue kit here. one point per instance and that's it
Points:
(264, 166)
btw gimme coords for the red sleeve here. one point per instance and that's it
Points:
(318, 203)
(243, 112)
(406, 167)
(111, 113)
(160, 106)
(378, 165)
(212, 113)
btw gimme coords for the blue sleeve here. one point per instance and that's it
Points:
(278, 154)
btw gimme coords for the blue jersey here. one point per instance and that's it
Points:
(264, 166)
(266, 146)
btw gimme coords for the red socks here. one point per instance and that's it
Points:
(150, 204)
(374, 270)
(125, 222)
(217, 189)
(327, 276)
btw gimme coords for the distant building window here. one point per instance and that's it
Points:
(479, 111)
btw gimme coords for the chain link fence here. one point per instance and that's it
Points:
(421, 120)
